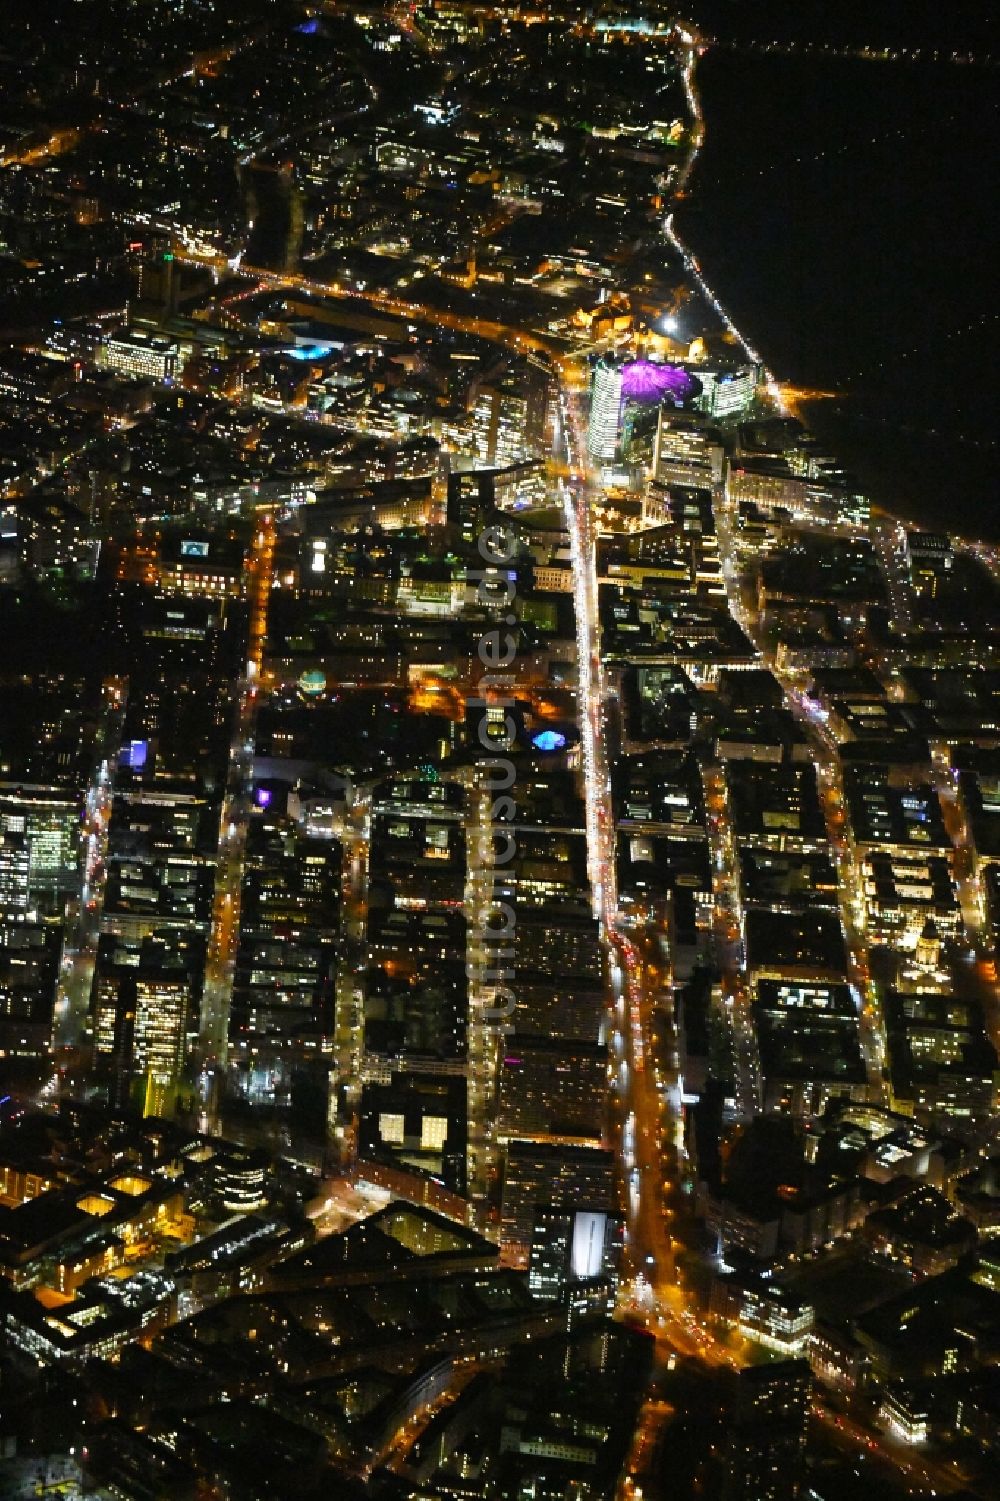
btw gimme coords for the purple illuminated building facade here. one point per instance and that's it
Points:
(633, 382)
(647, 381)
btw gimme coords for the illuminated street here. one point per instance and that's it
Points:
(236, 806)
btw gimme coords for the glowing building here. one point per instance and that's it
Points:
(133, 351)
(242, 1181)
(47, 818)
(620, 384)
(15, 866)
(605, 410)
(145, 999)
(727, 392)
(508, 421)
(570, 1244)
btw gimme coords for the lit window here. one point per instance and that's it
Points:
(391, 1128)
(433, 1132)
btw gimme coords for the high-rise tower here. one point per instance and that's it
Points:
(605, 410)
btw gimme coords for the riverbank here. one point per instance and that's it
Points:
(837, 209)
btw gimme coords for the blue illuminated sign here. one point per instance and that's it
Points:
(135, 753)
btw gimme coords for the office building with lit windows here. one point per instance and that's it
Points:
(620, 387)
(417, 1122)
(559, 1174)
(552, 1086)
(604, 432)
(767, 1432)
(570, 1245)
(281, 1016)
(727, 392)
(809, 1041)
(145, 1004)
(688, 450)
(905, 1411)
(134, 351)
(15, 875)
(774, 1318)
(903, 892)
(30, 953)
(942, 1061)
(241, 1181)
(475, 495)
(200, 565)
(508, 420)
(48, 819)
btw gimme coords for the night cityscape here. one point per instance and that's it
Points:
(499, 810)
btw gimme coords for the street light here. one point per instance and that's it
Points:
(669, 323)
